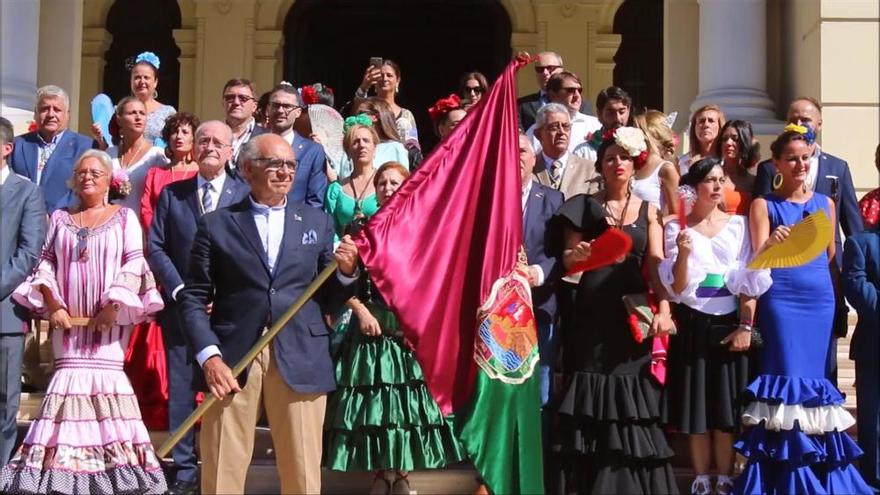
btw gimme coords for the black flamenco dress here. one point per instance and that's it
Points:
(608, 426)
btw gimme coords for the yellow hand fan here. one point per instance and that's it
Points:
(808, 238)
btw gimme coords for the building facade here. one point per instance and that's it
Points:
(750, 56)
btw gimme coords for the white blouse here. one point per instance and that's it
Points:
(137, 173)
(717, 270)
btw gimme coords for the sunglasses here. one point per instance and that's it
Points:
(546, 68)
(474, 89)
(229, 98)
(573, 90)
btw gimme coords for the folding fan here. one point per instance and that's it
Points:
(327, 125)
(606, 249)
(808, 238)
(102, 112)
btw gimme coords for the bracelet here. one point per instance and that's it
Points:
(748, 322)
(361, 93)
(745, 327)
(115, 305)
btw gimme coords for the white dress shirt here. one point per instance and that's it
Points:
(813, 172)
(4, 173)
(240, 140)
(217, 189)
(44, 148)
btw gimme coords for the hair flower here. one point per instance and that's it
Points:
(631, 139)
(120, 186)
(805, 130)
(309, 95)
(148, 57)
(443, 106)
(359, 119)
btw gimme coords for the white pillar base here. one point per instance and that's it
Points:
(19, 117)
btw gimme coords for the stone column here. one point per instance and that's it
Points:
(60, 60)
(733, 62)
(19, 48)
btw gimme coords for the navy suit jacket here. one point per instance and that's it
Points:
(22, 233)
(843, 193)
(228, 267)
(541, 205)
(310, 180)
(861, 284)
(170, 240)
(25, 159)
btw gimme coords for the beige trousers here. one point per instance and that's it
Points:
(296, 422)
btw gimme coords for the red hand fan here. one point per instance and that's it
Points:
(606, 249)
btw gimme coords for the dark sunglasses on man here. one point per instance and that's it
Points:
(546, 68)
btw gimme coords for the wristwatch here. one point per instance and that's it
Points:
(361, 93)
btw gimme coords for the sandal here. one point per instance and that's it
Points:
(724, 485)
(381, 484)
(401, 484)
(701, 485)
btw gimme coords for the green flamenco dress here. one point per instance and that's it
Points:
(381, 416)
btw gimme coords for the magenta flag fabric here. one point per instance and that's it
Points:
(455, 227)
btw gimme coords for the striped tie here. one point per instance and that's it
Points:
(207, 202)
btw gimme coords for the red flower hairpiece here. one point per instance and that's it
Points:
(639, 161)
(309, 95)
(444, 106)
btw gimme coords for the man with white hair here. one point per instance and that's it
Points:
(556, 166)
(46, 156)
(546, 66)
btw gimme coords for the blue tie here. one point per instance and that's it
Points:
(207, 202)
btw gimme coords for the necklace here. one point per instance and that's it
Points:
(358, 198)
(131, 156)
(82, 234)
(618, 222)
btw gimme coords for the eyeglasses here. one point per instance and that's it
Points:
(229, 98)
(95, 174)
(572, 89)
(558, 127)
(546, 68)
(285, 107)
(273, 165)
(474, 89)
(207, 141)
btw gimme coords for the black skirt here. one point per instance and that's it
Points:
(706, 380)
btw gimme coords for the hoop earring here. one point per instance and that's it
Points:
(155, 94)
(777, 181)
(397, 89)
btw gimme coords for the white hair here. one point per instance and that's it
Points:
(102, 157)
(52, 91)
(546, 110)
(201, 129)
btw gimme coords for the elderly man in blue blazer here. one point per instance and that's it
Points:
(171, 235)
(861, 284)
(310, 183)
(830, 176)
(22, 232)
(47, 155)
(249, 263)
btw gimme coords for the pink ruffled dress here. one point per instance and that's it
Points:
(88, 436)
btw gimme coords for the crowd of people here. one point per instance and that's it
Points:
(159, 258)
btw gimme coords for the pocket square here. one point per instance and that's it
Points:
(310, 237)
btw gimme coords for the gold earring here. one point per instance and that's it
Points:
(777, 181)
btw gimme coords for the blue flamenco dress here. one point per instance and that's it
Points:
(797, 441)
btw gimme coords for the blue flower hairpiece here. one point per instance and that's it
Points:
(359, 119)
(148, 57)
(805, 130)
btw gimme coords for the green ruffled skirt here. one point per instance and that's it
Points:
(381, 415)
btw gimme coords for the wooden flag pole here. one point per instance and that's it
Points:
(248, 358)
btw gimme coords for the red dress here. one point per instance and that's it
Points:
(145, 362)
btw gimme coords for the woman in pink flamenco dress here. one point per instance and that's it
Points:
(88, 436)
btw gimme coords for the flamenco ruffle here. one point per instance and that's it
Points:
(609, 432)
(811, 420)
(121, 479)
(611, 397)
(808, 392)
(785, 479)
(396, 406)
(118, 467)
(371, 361)
(369, 449)
(797, 448)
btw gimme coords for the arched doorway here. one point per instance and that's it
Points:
(639, 60)
(138, 26)
(434, 41)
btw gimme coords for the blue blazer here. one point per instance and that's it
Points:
(841, 191)
(22, 233)
(541, 205)
(861, 284)
(310, 180)
(228, 267)
(170, 240)
(59, 169)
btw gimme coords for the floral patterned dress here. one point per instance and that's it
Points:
(88, 436)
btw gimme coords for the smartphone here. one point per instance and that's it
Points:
(376, 62)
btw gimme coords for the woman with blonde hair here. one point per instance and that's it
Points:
(703, 132)
(656, 176)
(390, 148)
